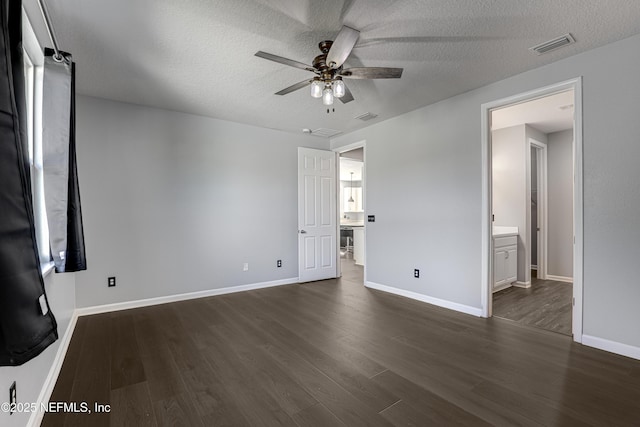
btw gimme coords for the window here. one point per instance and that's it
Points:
(33, 76)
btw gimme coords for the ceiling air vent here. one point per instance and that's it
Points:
(366, 116)
(324, 132)
(556, 43)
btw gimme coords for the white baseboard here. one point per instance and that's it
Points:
(611, 346)
(559, 278)
(97, 309)
(501, 287)
(425, 298)
(50, 382)
(522, 284)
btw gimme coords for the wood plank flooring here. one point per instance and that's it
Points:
(334, 353)
(546, 304)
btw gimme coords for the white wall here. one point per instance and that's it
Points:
(175, 203)
(422, 176)
(434, 153)
(560, 200)
(510, 149)
(509, 152)
(31, 376)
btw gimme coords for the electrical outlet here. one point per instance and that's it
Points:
(13, 398)
(416, 273)
(245, 266)
(279, 263)
(111, 282)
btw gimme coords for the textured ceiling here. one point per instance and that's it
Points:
(197, 56)
(548, 114)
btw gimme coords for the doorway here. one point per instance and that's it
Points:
(526, 209)
(351, 213)
(538, 202)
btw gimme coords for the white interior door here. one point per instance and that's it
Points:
(317, 215)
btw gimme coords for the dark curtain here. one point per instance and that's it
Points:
(76, 258)
(62, 193)
(27, 325)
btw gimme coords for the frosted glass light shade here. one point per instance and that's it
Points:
(327, 96)
(338, 89)
(316, 88)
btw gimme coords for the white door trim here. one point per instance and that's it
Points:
(543, 212)
(486, 227)
(339, 150)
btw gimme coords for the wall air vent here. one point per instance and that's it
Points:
(554, 44)
(366, 116)
(324, 132)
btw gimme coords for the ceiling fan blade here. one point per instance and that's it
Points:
(372, 73)
(342, 46)
(294, 87)
(347, 97)
(285, 61)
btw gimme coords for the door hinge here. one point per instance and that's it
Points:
(573, 301)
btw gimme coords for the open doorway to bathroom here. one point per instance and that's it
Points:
(532, 158)
(351, 204)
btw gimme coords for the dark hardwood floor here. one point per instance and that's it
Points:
(334, 353)
(546, 304)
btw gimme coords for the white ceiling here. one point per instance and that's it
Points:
(548, 114)
(197, 56)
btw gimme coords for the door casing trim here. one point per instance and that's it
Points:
(339, 150)
(578, 211)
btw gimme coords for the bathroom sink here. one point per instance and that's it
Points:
(504, 231)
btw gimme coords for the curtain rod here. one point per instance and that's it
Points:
(52, 35)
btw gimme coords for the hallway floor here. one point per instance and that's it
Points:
(352, 273)
(546, 304)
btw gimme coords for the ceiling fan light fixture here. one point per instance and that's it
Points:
(328, 69)
(327, 96)
(316, 88)
(338, 88)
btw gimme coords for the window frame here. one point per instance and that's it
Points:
(34, 76)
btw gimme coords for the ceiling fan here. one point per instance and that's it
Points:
(328, 69)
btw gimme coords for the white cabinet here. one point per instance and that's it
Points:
(505, 262)
(358, 245)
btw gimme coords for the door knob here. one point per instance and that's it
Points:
(303, 232)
